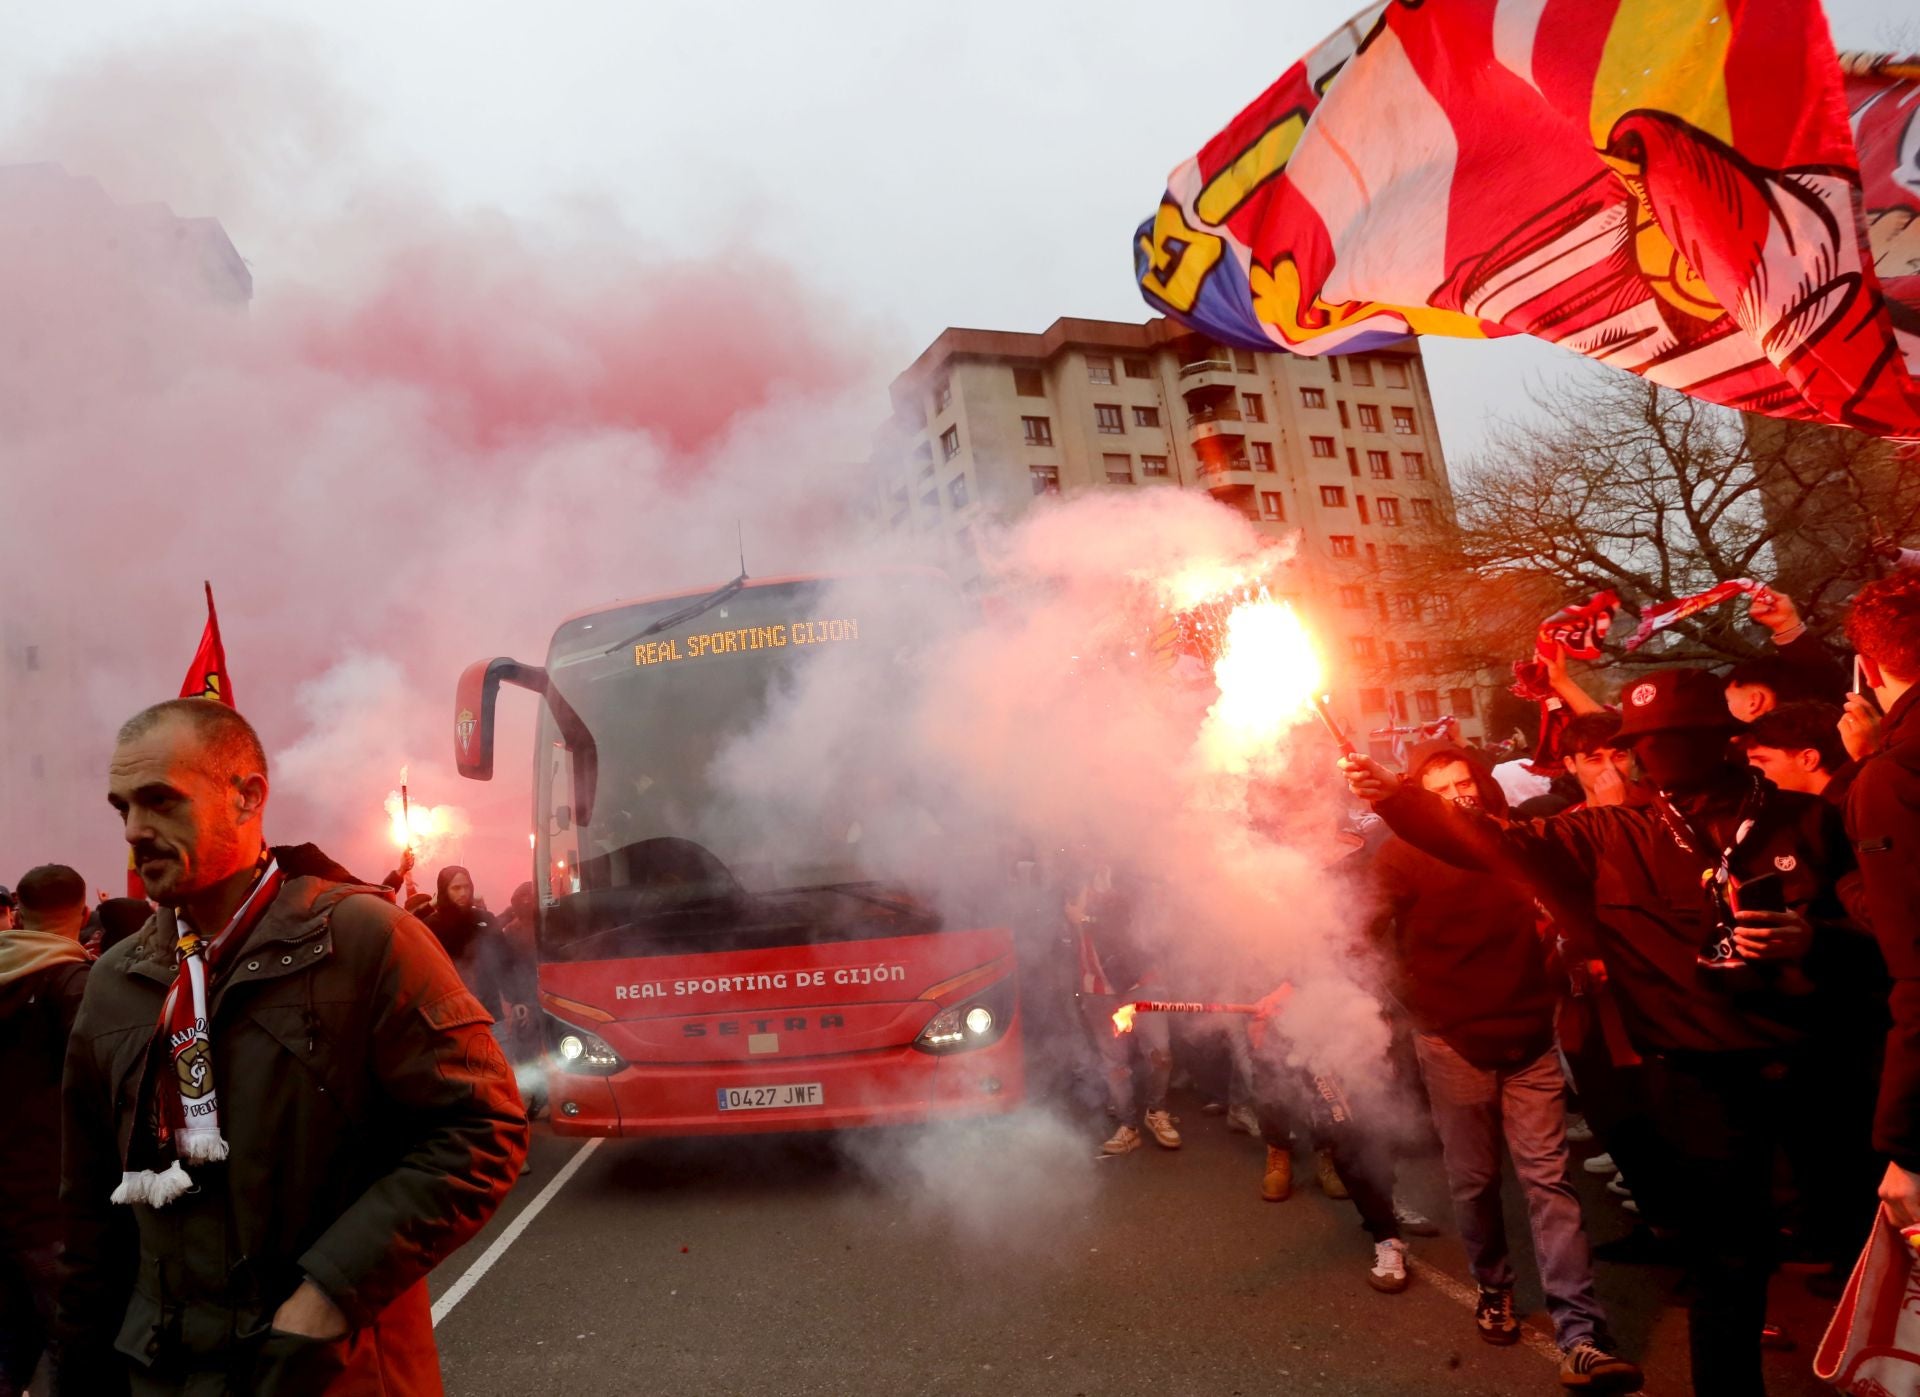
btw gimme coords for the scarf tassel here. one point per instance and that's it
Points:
(155, 1190)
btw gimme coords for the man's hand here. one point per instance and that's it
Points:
(1860, 727)
(1900, 1191)
(1609, 787)
(1554, 661)
(406, 861)
(1774, 610)
(309, 1313)
(1367, 779)
(1771, 935)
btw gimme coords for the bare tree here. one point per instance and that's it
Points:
(1617, 484)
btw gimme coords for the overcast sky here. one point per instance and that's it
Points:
(980, 164)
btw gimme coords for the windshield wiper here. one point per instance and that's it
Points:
(853, 890)
(680, 617)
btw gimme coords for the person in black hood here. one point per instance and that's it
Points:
(43, 972)
(1470, 968)
(471, 937)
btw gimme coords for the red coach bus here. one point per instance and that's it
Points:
(721, 953)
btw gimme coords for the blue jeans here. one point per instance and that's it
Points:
(1149, 1045)
(1474, 1108)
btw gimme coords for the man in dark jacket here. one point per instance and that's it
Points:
(43, 970)
(1713, 992)
(1470, 968)
(282, 1108)
(1883, 818)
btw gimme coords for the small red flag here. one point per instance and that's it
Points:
(206, 678)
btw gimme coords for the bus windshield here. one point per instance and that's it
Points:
(716, 825)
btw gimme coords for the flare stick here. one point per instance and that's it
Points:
(1339, 736)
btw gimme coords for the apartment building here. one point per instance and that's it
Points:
(1341, 455)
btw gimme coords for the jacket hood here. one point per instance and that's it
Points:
(24, 953)
(1492, 798)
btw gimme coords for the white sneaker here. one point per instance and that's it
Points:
(1630, 1206)
(1125, 1140)
(1601, 1164)
(1617, 1186)
(1389, 1273)
(1160, 1127)
(1413, 1222)
(1242, 1119)
(1578, 1131)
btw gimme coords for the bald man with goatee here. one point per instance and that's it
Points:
(281, 1107)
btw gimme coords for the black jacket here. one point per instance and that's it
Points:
(1883, 819)
(1619, 874)
(1467, 959)
(36, 1015)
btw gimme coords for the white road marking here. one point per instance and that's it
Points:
(471, 1277)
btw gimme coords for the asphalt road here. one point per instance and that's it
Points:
(998, 1259)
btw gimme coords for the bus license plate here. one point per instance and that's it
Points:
(770, 1098)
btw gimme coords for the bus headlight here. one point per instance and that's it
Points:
(974, 1022)
(583, 1052)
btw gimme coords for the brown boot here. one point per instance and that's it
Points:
(1329, 1176)
(1277, 1185)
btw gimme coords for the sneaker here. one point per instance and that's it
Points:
(1414, 1222)
(1631, 1206)
(1214, 1108)
(1389, 1273)
(1160, 1126)
(1125, 1140)
(1578, 1131)
(1242, 1119)
(1601, 1164)
(1329, 1176)
(1493, 1316)
(1617, 1186)
(1592, 1369)
(1276, 1186)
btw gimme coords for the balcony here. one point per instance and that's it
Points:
(1207, 373)
(1229, 476)
(1215, 421)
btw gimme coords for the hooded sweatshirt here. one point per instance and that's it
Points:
(1465, 949)
(42, 976)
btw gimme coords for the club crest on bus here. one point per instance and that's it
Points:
(463, 727)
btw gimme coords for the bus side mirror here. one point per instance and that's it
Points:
(474, 699)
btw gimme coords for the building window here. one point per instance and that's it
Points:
(957, 492)
(1313, 397)
(1395, 371)
(1362, 373)
(1379, 466)
(1426, 703)
(1155, 466)
(1405, 607)
(926, 469)
(1397, 705)
(1262, 455)
(1442, 607)
(1362, 646)
(1380, 602)
(1369, 418)
(1322, 446)
(1100, 368)
(1353, 463)
(1333, 496)
(1373, 556)
(1243, 361)
(1396, 554)
(1423, 511)
(1389, 510)
(1107, 417)
(1029, 383)
(1333, 367)
(931, 501)
(1342, 545)
(1046, 479)
(1146, 417)
(1353, 595)
(1403, 421)
(1119, 468)
(1373, 700)
(1137, 368)
(1255, 407)
(1415, 465)
(950, 442)
(942, 395)
(1360, 503)
(1416, 649)
(1039, 430)
(1271, 505)
(1342, 405)
(1463, 703)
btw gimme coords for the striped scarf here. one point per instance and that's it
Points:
(186, 1109)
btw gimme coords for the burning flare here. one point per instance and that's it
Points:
(1269, 675)
(422, 827)
(1123, 1020)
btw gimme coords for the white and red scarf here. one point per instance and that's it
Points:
(185, 1107)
